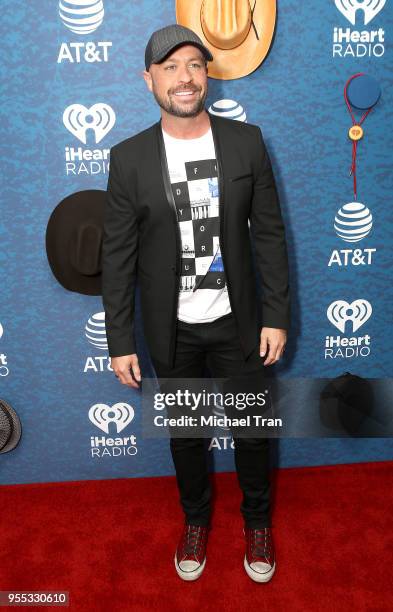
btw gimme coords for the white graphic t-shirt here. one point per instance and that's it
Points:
(203, 295)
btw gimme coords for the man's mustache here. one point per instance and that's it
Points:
(174, 91)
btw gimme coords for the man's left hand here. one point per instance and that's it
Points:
(274, 339)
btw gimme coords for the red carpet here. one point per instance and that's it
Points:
(111, 543)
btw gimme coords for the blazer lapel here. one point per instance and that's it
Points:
(215, 126)
(168, 193)
(164, 169)
(216, 138)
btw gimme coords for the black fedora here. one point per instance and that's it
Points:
(346, 404)
(10, 427)
(74, 241)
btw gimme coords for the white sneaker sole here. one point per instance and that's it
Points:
(257, 576)
(190, 575)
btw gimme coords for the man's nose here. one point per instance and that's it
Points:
(184, 74)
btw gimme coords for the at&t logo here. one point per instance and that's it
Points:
(352, 223)
(82, 17)
(344, 315)
(88, 124)
(221, 443)
(4, 371)
(95, 333)
(359, 43)
(228, 108)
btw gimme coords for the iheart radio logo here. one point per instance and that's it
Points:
(370, 9)
(78, 119)
(121, 414)
(340, 311)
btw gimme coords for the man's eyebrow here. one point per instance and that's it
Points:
(190, 59)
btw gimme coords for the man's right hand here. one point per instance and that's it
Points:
(121, 367)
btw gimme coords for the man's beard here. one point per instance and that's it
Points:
(170, 106)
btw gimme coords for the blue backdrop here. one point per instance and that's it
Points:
(50, 371)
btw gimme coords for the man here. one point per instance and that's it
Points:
(183, 196)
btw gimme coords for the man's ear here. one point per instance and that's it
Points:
(147, 76)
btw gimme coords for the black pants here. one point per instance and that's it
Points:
(217, 346)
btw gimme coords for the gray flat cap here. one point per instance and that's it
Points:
(163, 41)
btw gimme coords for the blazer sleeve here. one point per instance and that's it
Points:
(119, 256)
(268, 233)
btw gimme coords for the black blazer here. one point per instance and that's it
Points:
(142, 239)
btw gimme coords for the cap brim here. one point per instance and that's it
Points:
(161, 57)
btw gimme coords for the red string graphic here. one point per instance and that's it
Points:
(354, 122)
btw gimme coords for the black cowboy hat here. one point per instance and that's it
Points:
(74, 241)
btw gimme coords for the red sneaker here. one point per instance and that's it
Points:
(190, 557)
(259, 561)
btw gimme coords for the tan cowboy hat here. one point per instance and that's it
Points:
(237, 32)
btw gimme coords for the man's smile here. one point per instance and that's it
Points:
(185, 93)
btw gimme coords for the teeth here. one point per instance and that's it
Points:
(184, 93)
